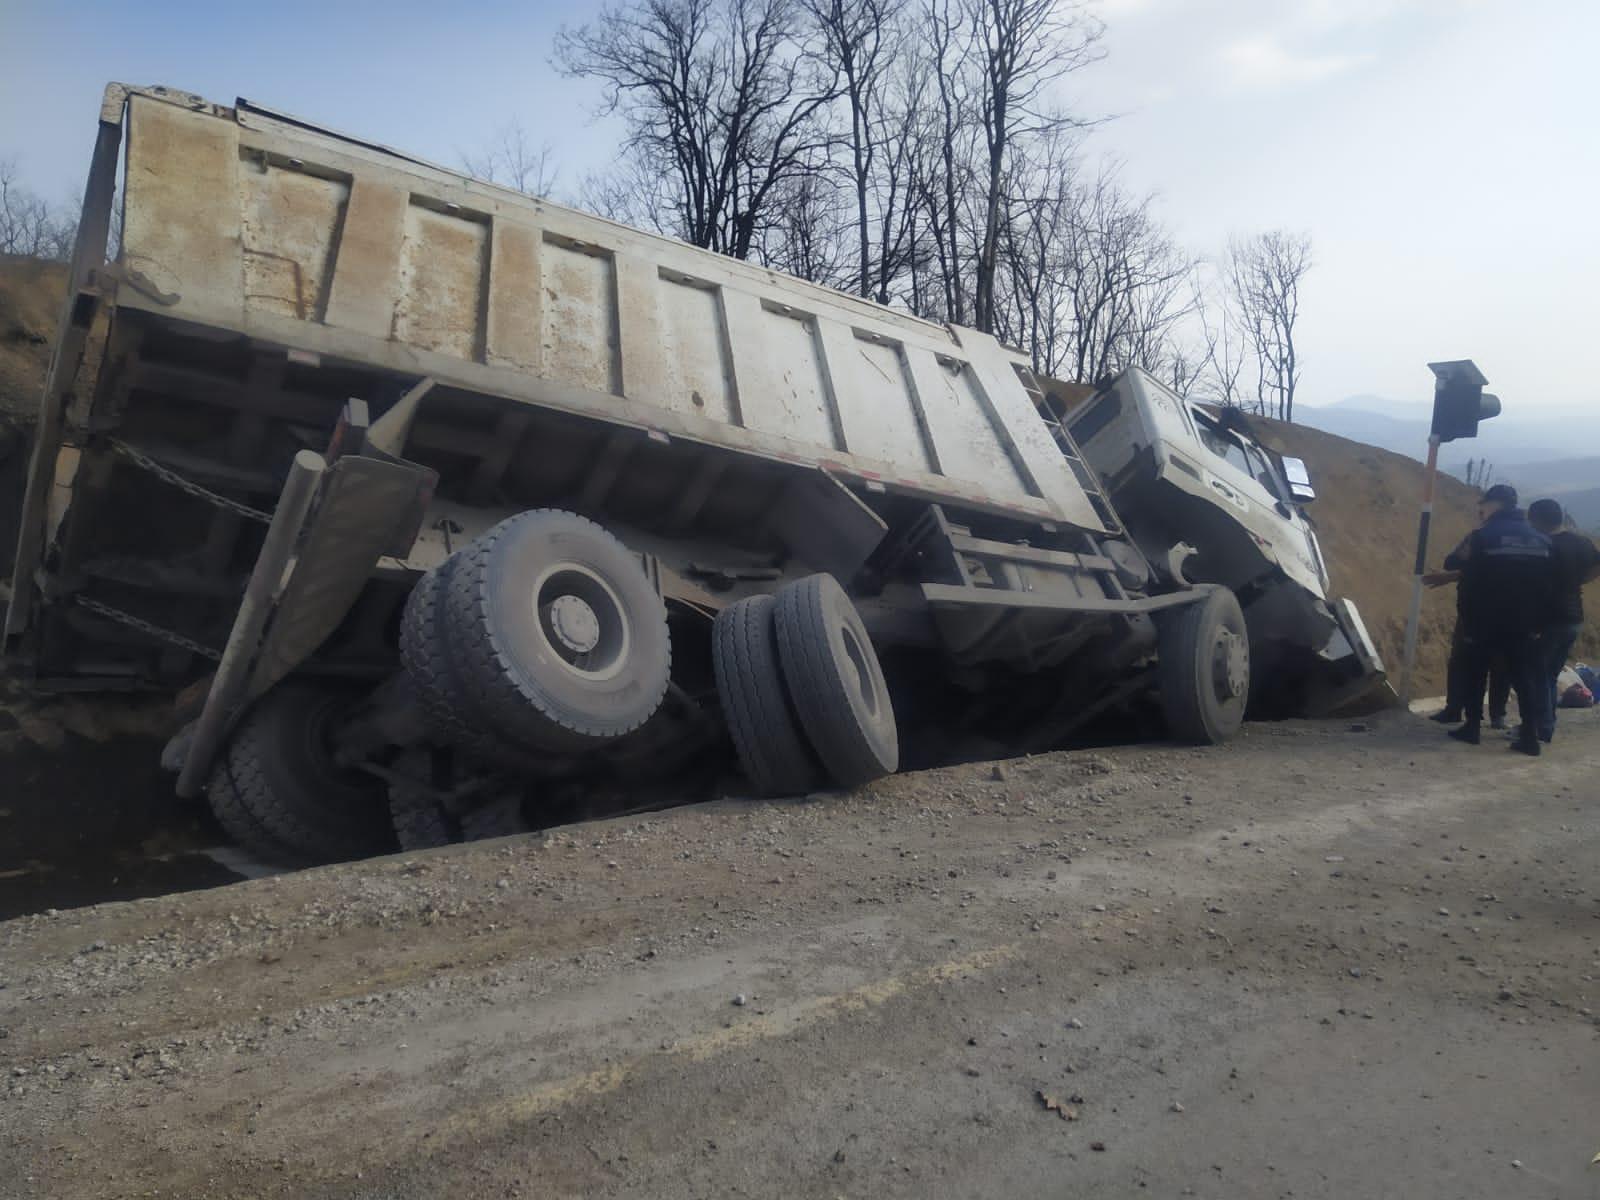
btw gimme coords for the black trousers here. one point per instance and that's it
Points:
(1455, 700)
(1524, 668)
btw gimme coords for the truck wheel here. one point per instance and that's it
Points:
(242, 827)
(500, 817)
(766, 733)
(835, 681)
(418, 818)
(425, 654)
(420, 823)
(557, 635)
(279, 769)
(1205, 669)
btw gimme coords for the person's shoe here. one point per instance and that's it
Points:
(1468, 733)
(1498, 723)
(1447, 716)
(1526, 745)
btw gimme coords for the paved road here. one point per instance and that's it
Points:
(1318, 962)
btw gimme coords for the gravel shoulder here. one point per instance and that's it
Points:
(1320, 961)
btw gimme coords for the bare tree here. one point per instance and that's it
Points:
(812, 238)
(512, 161)
(942, 167)
(28, 224)
(1020, 47)
(722, 102)
(1223, 349)
(857, 36)
(1264, 274)
(1480, 473)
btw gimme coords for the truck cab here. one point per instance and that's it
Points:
(1201, 496)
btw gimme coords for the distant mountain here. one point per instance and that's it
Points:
(1557, 477)
(1369, 402)
(1516, 437)
(1585, 509)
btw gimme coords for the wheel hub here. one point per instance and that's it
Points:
(574, 624)
(1232, 664)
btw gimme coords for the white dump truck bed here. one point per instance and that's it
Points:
(244, 220)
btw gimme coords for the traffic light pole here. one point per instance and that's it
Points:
(1414, 617)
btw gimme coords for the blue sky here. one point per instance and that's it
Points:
(1443, 154)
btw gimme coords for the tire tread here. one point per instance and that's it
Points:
(818, 686)
(756, 708)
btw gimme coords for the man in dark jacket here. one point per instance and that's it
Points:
(1577, 562)
(1455, 703)
(1507, 590)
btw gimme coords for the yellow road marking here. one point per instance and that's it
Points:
(698, 1048)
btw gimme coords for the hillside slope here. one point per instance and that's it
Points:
(31, 296)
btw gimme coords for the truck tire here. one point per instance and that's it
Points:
(1204, 669)
(242, 828)
(835, 680)
(499, 817)
(755, 705)
(425, 654)
(557, 635)
(277, 768)
(419, 820)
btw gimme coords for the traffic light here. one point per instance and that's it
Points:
(1459, 401)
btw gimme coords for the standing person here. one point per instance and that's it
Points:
(1577, 562)
(1455, 700)
(1507, 585)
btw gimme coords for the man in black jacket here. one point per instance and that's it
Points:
(1507, 590)
(1577, 562)
(1455, 703)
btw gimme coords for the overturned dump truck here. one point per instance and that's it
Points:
(441, 508)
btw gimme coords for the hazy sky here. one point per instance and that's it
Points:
(1443, 154)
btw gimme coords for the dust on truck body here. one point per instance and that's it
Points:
(432, 501)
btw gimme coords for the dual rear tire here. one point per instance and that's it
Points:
(802, 690)
(540, 641)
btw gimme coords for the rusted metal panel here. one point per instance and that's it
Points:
(581, 342)
(182, 221)
(444, 261)
(514, 320)
(290, 221)
(366, 276)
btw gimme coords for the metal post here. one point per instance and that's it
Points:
(72, 334)
(1430, 475)
(233, 672)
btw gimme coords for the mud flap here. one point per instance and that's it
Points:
(368, 508)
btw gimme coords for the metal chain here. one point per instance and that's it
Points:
(140, 459)
(145, 627)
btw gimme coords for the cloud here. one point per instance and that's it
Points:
(1263, 63)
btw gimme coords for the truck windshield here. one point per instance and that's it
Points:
(1221, 444)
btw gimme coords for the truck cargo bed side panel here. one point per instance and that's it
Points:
(248, 224)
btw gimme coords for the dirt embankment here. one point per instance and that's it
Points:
(31, 295)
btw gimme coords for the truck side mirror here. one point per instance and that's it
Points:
(1300, 489)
